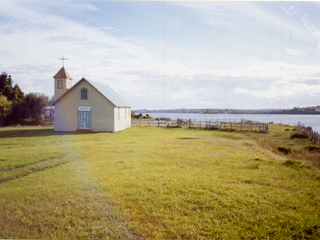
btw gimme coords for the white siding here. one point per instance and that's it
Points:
(105, 116)
(67, 110)
(124, 122)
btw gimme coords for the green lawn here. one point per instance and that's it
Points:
(158, 183)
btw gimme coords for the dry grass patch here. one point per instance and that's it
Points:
(279, 140)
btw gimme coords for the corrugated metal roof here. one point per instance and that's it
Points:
(62, 74)
(105, 90)
(109, 93)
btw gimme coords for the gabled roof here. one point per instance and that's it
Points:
(62, 74)
(109, 93)
(105, 90)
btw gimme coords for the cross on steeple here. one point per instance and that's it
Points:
(62, 60)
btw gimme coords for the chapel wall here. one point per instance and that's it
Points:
(102, 110)
(125, 118)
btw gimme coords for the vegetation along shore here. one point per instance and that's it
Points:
(159, 183)
(315, 110)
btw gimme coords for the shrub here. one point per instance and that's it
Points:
(212, 127)
(295, 164)
(285, 150)
(163, 119)
(313, 148)
(301, 134)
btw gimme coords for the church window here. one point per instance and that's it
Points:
(60, 84)
(84, 94)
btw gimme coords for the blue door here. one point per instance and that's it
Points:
(84, 120)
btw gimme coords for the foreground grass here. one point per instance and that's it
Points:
(155, 183)
(47, 192)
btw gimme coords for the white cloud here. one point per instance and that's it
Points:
(218, 13)
(83, 6)
(290, 10)
(311, 25)
(277, 92)
(34, 39)
(111, 29)
(295, 52)
(282, 92)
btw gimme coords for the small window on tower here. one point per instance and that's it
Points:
(60, 84)
(84, 93)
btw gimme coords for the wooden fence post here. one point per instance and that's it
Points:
(312, 135)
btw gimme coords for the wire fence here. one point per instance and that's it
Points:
(226, 125)
(312, 134)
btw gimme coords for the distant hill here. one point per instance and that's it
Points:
(295, 110)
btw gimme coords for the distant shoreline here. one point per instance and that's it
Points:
(295, 111)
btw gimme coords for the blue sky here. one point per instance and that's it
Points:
(164, 55)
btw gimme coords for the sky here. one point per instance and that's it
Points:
(166, 54)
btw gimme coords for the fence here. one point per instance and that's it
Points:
(313, 134)
(231, 125)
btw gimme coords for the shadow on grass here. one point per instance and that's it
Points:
(16, 133)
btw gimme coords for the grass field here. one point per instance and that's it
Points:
(158, 183)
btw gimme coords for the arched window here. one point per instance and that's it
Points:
(84, 94)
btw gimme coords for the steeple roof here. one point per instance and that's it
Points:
(62, 74)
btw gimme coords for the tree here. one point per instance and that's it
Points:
(6, 86)
(17, 94)
(35, 102)
(13, 94)
(18, 114)
(16, 107)
(29, 110)
(5, 107)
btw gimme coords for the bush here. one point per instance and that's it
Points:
(295, 164)
(313, 148)
(285, 150)
(301, 135)
(162, 119)
(28, 111)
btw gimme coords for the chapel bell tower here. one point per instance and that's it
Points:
(62, 82)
